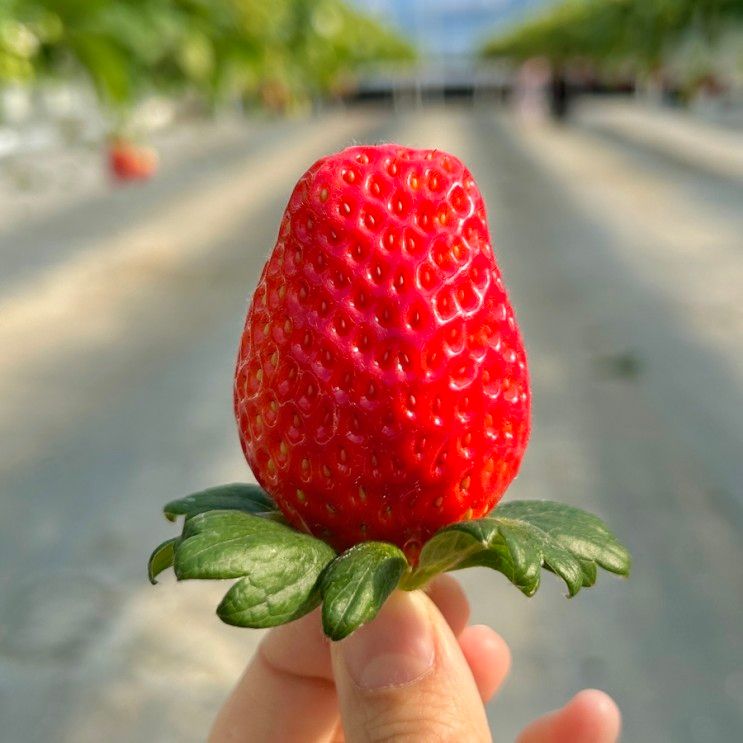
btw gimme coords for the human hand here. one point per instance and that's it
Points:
(418, 672)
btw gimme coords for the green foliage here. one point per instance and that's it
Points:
(279, 53)
(277, 568)
(162, 558)
(613, 31)
(355, 586)
(234, 497)
(518, 539)
(232, 532)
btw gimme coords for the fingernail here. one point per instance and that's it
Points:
(396, 648)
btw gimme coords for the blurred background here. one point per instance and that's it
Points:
(147, 148)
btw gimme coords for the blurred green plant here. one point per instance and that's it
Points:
(281, 53)
(611, 33)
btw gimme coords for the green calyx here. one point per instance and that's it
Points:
(236, 532)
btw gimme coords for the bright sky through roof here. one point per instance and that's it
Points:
(451, 27)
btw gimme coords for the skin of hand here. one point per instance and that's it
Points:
(417, 673)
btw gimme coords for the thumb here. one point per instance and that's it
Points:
(403, 678)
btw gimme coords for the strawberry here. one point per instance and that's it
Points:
(382, 401)
(128, 161)
(381, 389)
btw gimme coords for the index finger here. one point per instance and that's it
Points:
(286, 692)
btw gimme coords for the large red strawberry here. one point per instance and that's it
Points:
(381, 388)
(381, 394)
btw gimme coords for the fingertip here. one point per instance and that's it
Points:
(488, 657)
(291, 670)
(299, 648)
(451, 601)
(592, 715)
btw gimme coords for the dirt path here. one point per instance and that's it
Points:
(115, 396)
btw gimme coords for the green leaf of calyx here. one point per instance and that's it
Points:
(521, 537)
(161, 558)
(277, 567)
(355, 586)
(233, 497)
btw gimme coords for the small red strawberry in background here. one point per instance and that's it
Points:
(382, 400)
(129, 161)
(381, 388)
